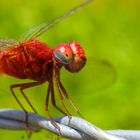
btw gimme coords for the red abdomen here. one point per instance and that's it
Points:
(28, 60)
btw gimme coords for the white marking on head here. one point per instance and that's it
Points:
(74, 48)
(62, 49)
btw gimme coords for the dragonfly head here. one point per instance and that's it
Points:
(63, 54)
(79, 58)
(71, 56)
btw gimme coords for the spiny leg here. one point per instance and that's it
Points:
(56, 77)
(29, 85)
(23, 86)
(47, 99)
(54, 103)
(46, 106)
(26, 113)
(69, 100)
(21, 90)
(12, 91)
(62, 99)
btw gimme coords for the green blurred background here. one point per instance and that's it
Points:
(108, 29)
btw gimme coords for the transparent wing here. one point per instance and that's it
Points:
(97, 75)
(6, 43)
(36, 31)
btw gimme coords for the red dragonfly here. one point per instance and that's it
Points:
(32, 59)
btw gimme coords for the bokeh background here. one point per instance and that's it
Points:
(108, 30)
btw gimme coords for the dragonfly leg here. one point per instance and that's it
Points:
(25, 86)
(54, 103)
(69, 99)
(26, 113)
(46, 107)
(57, 79)
(62, 99)
(22, 87)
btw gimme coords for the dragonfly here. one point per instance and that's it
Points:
(34, 60)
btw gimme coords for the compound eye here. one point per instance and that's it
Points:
(63, 54)
(79, 58)
(66, 51)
